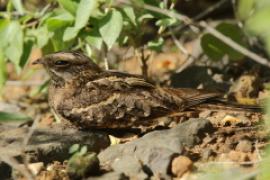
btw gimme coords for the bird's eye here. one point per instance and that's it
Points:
(61, 63)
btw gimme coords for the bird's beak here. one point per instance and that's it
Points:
(38, 61)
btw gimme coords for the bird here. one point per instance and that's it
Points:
(90, 97)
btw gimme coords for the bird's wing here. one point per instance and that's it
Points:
(114, 100)
(192, 96)
(120, 81)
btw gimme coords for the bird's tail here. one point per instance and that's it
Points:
(194, 97)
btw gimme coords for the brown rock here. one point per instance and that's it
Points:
(156, 150)
(180, 165)
(244, 146)
(238, 156)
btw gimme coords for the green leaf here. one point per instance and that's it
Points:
(42, 35)
(94, 38)
(18, 5)
(26, 52)
(166, 22)
(4, 24)
(262, 4)
(144, 17)
(156, 44)
(265, 164)
(11, 35)
(210, 46)
(139, 3)
(85, 8)
(244, 8)
(74, 148)
(60, 21)
(70, 33)
(14, 49)
(69, 5)
(216, 49)
(259, 23)
(129, 11)
(7, 116)
(88, 50)
(123, 40)
(267, 41)
(58, 43)
(83, 150)
(43, 88)
(236, 34)
(3, 72)
(110, 27)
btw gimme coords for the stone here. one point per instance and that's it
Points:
(46, 144)
(181, 165)
(130, 166)
(244, 146)
(237, 156)
(156, 150)
(110, 176)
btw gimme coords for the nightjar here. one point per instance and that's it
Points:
(90, 97)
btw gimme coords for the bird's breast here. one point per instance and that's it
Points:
(58, 95)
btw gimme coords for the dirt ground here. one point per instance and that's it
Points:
(206, 140)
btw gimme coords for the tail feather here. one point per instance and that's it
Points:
(231, 104)
(193, 97)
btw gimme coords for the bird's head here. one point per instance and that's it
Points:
(68, 65)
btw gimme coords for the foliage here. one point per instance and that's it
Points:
(216, 49)
(99, 24)
(255, 15)
(265, 165)
(76, 149)
(6, 116)
(73, 25)
(81, 162)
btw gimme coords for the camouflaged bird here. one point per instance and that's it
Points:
(89, 97)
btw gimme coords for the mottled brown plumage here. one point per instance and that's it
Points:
(89, 97)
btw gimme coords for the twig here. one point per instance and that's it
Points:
(209, 10)
(257, 151)
(105, 56)
(30, 132)
(235, 45)
(200, 16)
(211, 30)
(183, 18)
(106, 64)
(143, 61)
(24, 83)
(189, 58)
(35, 22)
(26, 141)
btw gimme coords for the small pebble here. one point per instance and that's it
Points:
(238, 156)
(35, 168)
(180, 165)
(244, 146)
